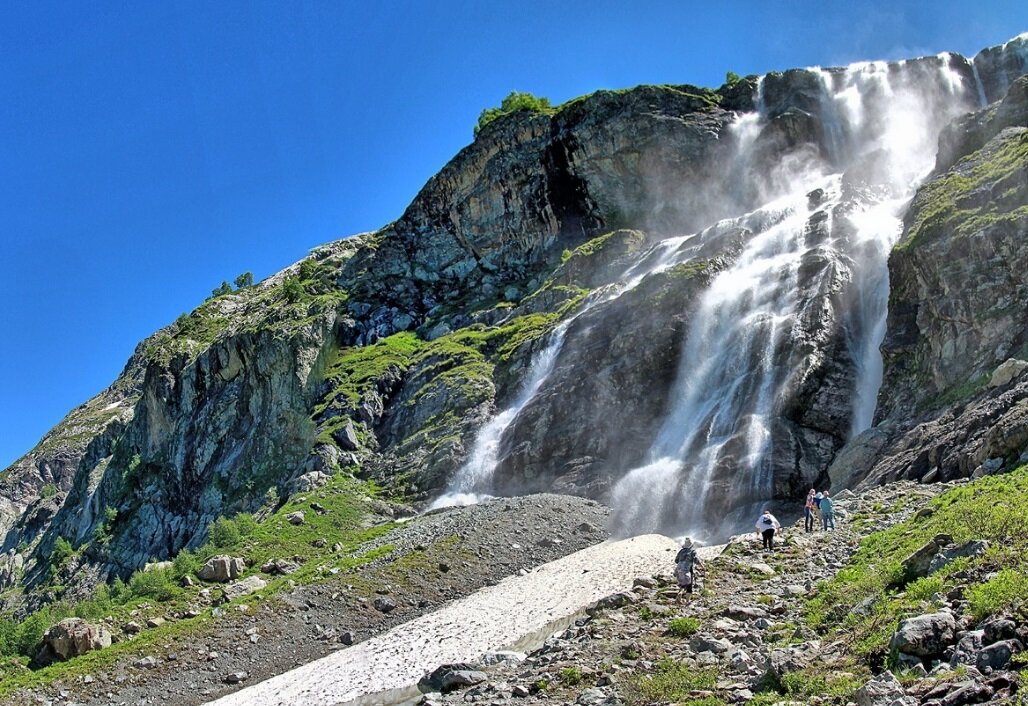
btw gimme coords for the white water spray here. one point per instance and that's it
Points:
(745, 341)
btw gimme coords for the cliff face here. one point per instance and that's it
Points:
(950, 406)
(595, 232)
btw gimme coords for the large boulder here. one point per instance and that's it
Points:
(221, 569)
(926, 635)
(73, 637)
(242, 588)
(450, 677)
(883, 690)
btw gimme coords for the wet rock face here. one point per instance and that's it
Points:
(956, 310)
(999, 66)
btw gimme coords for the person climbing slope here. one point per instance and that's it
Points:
(686, 563)
(767, 527)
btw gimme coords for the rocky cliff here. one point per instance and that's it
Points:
(596, 231)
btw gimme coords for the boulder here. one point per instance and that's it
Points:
(242, 588)
(73, 637)
(221, 568)
(882, 690)
(1007, 371)
(279, 567)
(926, 635)
(976, 547)
(296, 518)
(450, 677)
(346, 437)
(918, 564)
(384, 605)
(997, 655)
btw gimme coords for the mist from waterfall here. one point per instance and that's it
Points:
(838, 218)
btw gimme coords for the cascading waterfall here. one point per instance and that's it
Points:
(473, 481)
(712, 453)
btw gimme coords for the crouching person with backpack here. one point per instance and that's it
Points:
(767, 527)
(686, 563)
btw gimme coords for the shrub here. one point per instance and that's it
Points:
(572, 676)
(60, 554)
(224, 533)
(293, 289)
(683, 627)
(1002, 591)
(48, 491)
(924, 588)
(514, 102)
(224, 288)
(244, 280)
(185, 564)
(732, 78)
(157, 584)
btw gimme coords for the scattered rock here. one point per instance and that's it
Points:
(450, 677)
(242, 588)
(279, 567)
(882, 690)
(235, 677)
(384, 605)
(221, 569)
(73, 637)
(147, 662)
(1007, 371)
(926, 635)
(295, 518)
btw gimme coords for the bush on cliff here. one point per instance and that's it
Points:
(514, 102)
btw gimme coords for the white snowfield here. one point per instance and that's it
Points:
(513, 614)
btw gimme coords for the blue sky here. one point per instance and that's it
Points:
(149, 151)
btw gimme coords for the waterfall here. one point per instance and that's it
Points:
(743, 345)
(473, 481)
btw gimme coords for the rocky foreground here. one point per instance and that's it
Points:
(745, 637)
(434, 558)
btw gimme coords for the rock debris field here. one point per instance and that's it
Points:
(494, 618)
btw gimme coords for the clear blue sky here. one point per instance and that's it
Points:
(150, 150)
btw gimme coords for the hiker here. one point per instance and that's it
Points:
(686, 563)
(767, 527)
(827, 512)
(808, 511)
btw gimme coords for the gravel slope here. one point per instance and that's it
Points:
(437, 557)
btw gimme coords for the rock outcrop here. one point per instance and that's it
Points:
(385, 354)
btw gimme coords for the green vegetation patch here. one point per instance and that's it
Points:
(159, 592)
(356, 370)
(994, 508)
(672, 681)
(514, 102)
(684, 627)
(985, 188)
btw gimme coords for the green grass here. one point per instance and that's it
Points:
(994, 508)
(570, 676)
(673, 681)
(943, 207)
(684, 627)
(158, 592)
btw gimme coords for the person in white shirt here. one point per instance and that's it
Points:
(767, 527)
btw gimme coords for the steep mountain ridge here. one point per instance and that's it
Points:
(384, 354)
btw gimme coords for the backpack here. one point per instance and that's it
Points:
(683, 573)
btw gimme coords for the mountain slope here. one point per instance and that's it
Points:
(594, 237)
